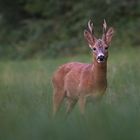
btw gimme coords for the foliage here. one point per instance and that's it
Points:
(31, 28)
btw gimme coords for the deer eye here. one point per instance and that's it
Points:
(106, 48)
(94, 49)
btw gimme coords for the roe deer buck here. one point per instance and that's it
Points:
(78, 82)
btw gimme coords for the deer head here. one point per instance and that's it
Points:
(99, 46)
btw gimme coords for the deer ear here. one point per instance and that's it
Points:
(89, 37)
(109, 35)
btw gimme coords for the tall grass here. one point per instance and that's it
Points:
(26, 106)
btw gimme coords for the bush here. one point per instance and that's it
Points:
(55, 28)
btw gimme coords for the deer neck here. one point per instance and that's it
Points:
(99, 73)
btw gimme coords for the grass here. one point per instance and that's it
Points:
(26, 106)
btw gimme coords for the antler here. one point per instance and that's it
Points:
(90, 26)
(104, 26)
(104, 29)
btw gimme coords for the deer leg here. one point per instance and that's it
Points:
(82, 103)
(70, 105)
(58, 98)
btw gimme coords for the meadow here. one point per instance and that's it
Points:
(26, 101)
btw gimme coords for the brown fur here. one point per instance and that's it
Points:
(78, 82)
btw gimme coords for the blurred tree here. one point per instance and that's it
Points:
(19, 9)
(51, 23)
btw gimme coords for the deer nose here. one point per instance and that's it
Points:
(101, 57)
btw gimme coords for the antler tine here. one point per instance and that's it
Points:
(104, 27)
(90, 26)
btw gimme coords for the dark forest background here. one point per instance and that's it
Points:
(52, 28)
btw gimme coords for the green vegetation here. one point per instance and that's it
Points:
(50, 28)
(33, 33)
(26, 106)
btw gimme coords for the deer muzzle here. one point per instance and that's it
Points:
(100, 58)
